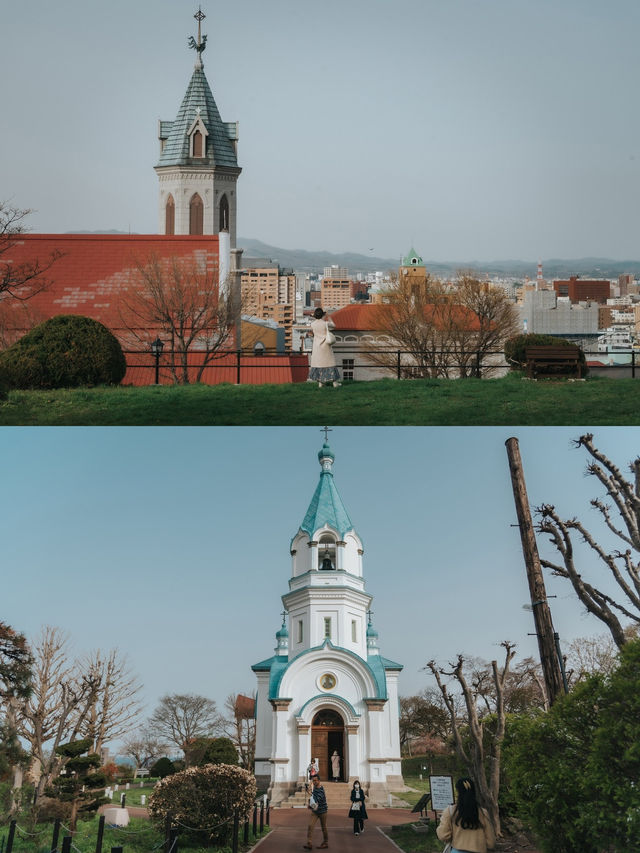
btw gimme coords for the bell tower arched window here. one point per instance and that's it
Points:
(196, 215)
(170, 216)
(197, 144)
(326, 553)
(224, 213)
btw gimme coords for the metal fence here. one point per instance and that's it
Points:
(240, 367)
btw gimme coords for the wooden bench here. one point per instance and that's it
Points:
(564, 356)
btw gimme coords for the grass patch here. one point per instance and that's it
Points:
(510, 400)
(411, 841)
(412, 797)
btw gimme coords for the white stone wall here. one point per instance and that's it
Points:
(211, 185)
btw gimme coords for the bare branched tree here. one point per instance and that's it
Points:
(180, 299)
(621, 516)
(143, 748)
(24, 279)
(240, 727)
(115, 708)
(61, 698)
(471, 750)
(180, 718)
(447, 330)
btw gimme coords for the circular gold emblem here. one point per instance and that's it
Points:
(327, 681)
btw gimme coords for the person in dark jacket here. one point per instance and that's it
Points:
(358, 810)
(318, 806)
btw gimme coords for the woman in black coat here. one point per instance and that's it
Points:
(358, 810)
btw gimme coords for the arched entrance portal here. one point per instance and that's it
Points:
(327, 735)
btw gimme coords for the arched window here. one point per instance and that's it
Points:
(196, 215)
(170, 216)
(224, 214)
(197, 144)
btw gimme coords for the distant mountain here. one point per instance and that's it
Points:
(302, 260)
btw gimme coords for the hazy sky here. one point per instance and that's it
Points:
(173, 544)
(474, 129)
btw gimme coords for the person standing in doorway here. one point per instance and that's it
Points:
(335, 766)
(358, 810)
(323, 362)
(318, 806)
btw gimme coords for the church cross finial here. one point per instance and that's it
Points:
(370, 617)
(326, 431)
(199, 45)
(284, 616)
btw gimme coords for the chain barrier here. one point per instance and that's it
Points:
(202, 828)
(31, 834)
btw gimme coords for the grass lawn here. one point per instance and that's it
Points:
(134, 794)
(411, 841)
(511, 400)
(412, 797)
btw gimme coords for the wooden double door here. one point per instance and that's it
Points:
(327, 737)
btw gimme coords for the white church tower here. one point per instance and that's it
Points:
(327, 688)
(198, 167)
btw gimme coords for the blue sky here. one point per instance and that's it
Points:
(474, 129)
(173, 544)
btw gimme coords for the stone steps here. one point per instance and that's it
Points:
(338, 798)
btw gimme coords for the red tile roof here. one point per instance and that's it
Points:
(95, 269)
(374, 317)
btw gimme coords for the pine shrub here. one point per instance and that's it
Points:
(67, 351)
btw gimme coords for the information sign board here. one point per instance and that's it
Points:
(441, 792)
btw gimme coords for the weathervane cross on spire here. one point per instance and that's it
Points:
(200, 45)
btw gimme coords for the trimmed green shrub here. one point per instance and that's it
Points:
(163, 767)
(514, 352)
(67, 351)
(211, 750)
(204, 799)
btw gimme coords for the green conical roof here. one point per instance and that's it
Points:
(198, 100)
(326, 505)
(413, 259)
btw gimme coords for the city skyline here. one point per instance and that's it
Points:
(173, 544)
(472, 131)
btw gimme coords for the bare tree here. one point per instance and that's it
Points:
(115, 707)
(447, 330)
(422, 717)
(240, 727)
(472, 751)
(61, 698)
(143, 748)
(180, 718)
(621, 516)
(181, 299)
(24, 279)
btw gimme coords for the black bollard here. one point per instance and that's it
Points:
(167, 834)
(261, 816)
(174, 840)
(56, 835)
(255, 819)
(268, 810)
(12, 832)
(66, 844)
(245, 834)
(100, 834)
(117, 849)
(234, 843)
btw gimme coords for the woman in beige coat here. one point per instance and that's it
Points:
(323, 361)
(466, 825)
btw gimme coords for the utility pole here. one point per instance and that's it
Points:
(541, 612)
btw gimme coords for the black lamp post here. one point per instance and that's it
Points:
(156, 348)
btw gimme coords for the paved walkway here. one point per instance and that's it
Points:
(289, 831)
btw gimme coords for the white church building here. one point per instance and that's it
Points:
(327, 688)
